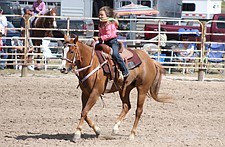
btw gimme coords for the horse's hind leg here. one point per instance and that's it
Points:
(87, 104)
(140, 102)
(126, 106)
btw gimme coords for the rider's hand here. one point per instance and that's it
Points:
(100, 39)
(96, 38)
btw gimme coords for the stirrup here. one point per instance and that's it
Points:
(120, 77)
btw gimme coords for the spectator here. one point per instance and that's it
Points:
(152, 48)
(27, 13)
(3, 32)
(187, 47)
(3, 24)
(185, 52)
(3, 56)
(39, 7)
(162, 36)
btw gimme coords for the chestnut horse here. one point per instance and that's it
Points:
(43, 22)
(146, 78)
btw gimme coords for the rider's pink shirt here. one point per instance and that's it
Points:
(107, 32)
(39, 8)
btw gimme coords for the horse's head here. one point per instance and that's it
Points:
(70, 52)
(51, 22)
(45, 21)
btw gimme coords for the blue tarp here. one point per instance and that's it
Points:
(184, 31)
(216, 51)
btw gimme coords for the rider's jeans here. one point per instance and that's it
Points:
(113, 43)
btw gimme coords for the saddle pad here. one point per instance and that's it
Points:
(126, 54)
(133, 62)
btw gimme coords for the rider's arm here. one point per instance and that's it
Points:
(42, 8)
(4, 23)
(108, 32)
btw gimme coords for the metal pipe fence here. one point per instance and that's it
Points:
(165, 55)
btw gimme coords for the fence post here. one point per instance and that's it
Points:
(26, 43)
(201, 71)
(68, 26)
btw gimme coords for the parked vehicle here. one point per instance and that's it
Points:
(12, 8)
(199, 9)
(213, 27)
(83, 28)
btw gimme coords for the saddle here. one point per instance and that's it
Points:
(110, 68)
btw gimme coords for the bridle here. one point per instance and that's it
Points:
(77, 52)
(78, 58)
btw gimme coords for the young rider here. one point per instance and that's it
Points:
(107, 33)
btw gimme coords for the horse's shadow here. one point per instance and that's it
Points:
(53, 136)
(68, 137)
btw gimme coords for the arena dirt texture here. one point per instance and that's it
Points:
(44, 109)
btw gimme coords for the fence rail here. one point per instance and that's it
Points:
(166, 55)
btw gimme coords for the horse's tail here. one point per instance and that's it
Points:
(160, 71)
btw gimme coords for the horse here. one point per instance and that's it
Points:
(146, 78)
(43, 22)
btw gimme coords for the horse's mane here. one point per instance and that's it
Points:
(83, 44)
(40, 19)
(89, 42)
(47, 13)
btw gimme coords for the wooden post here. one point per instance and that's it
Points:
(201, 72)
(26, 44)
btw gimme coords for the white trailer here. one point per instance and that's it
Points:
(77, 8)
(200, 9)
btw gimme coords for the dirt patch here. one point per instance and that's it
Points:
(43, 110)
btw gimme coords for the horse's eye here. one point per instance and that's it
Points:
(71, 52)
(71, 45)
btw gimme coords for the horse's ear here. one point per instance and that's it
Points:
(76, 39)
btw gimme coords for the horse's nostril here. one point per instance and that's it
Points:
(62, 70)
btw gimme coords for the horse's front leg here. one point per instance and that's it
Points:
(92, 125)
(87, 104)
(126, 106)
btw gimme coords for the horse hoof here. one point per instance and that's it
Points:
(97, 131)
(77, 136)
(75, 139)
(115, 129)
(131, 137)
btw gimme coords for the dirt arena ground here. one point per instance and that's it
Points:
(43, 110)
